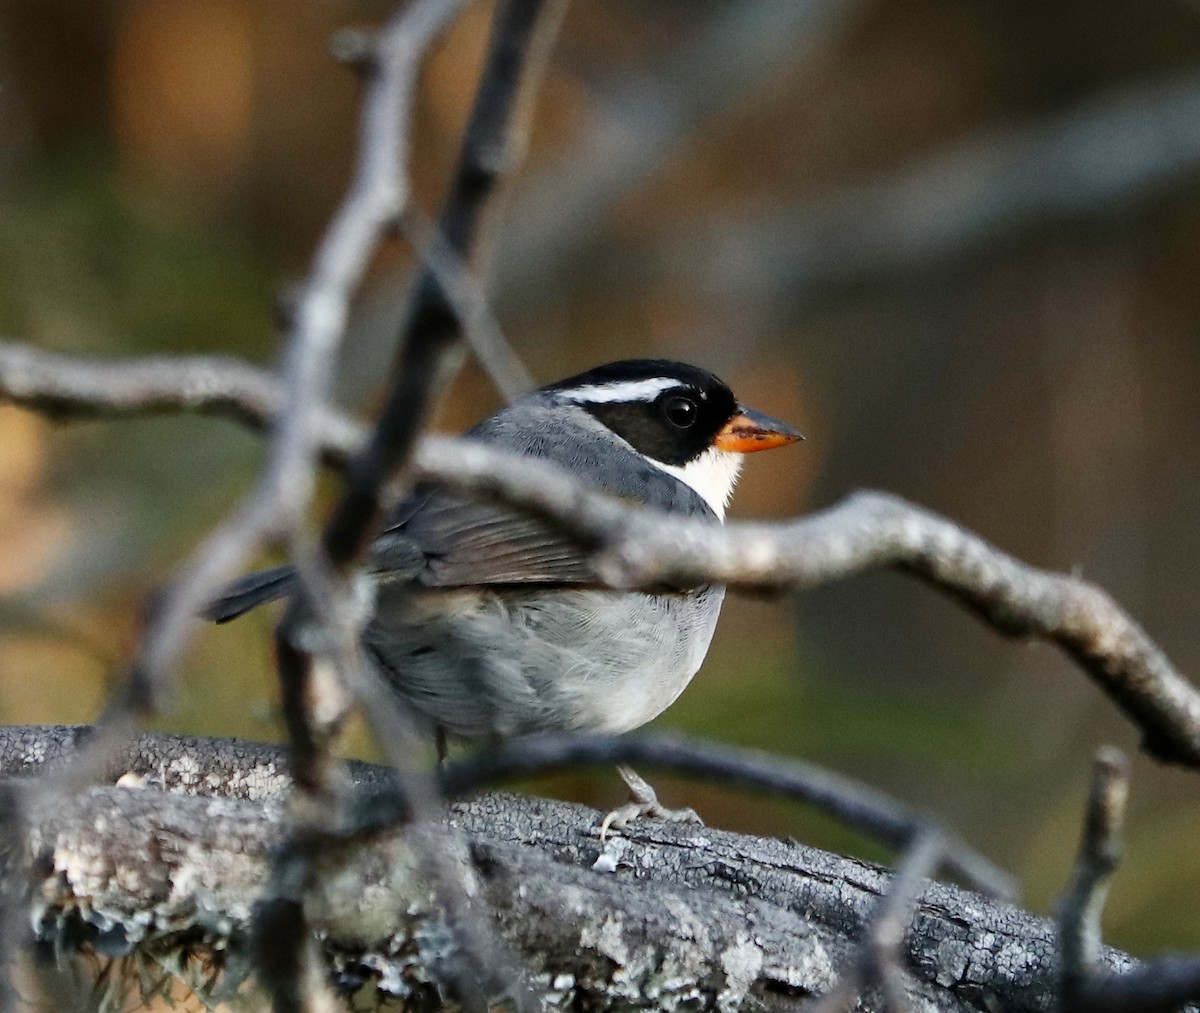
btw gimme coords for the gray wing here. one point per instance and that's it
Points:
(441, 540)
(450, 542)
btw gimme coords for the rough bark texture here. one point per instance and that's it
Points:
(665, 917)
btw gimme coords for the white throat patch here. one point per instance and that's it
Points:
(712, 475)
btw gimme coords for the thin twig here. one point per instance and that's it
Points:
(1099, 855)
(493, 968)
(316, 628)
(1158, 985)
(462, 289)
(376, 196)
(432, 330)
(890, 925)
(857, 805)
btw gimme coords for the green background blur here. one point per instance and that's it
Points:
(815, 207)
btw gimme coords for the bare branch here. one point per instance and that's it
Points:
(376, 196)
(881, 954)
(636, 548)
(1154, 987)
(70, 387)
(762, 920)
(466, 296)
(432, 329)
(854, 804)
(1099, 855)
(866, 531)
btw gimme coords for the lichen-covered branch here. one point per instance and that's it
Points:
(171, 865)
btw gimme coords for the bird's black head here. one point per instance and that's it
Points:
(669, 411)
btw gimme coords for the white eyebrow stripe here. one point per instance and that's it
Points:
(622, 390)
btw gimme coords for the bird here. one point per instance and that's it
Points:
(490, 624)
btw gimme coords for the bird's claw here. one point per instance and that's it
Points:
(621, 817)
(642, 802)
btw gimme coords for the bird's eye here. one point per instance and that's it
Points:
(680, 411)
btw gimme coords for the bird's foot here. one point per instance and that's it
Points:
(642, 802)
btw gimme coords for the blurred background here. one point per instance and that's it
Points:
(956, 243)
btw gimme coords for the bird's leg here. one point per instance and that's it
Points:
(642, 802)
(439, 739)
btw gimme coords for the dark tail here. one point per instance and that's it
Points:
(250, 591)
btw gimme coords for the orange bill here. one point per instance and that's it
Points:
(749, 431)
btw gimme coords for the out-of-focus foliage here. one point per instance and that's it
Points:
(703, 183)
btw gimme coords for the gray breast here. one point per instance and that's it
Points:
(485, 663)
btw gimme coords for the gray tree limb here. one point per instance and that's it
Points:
(866, 531)
(70, 387)
(167, 868)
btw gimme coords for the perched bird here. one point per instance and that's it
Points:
(490, 624)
